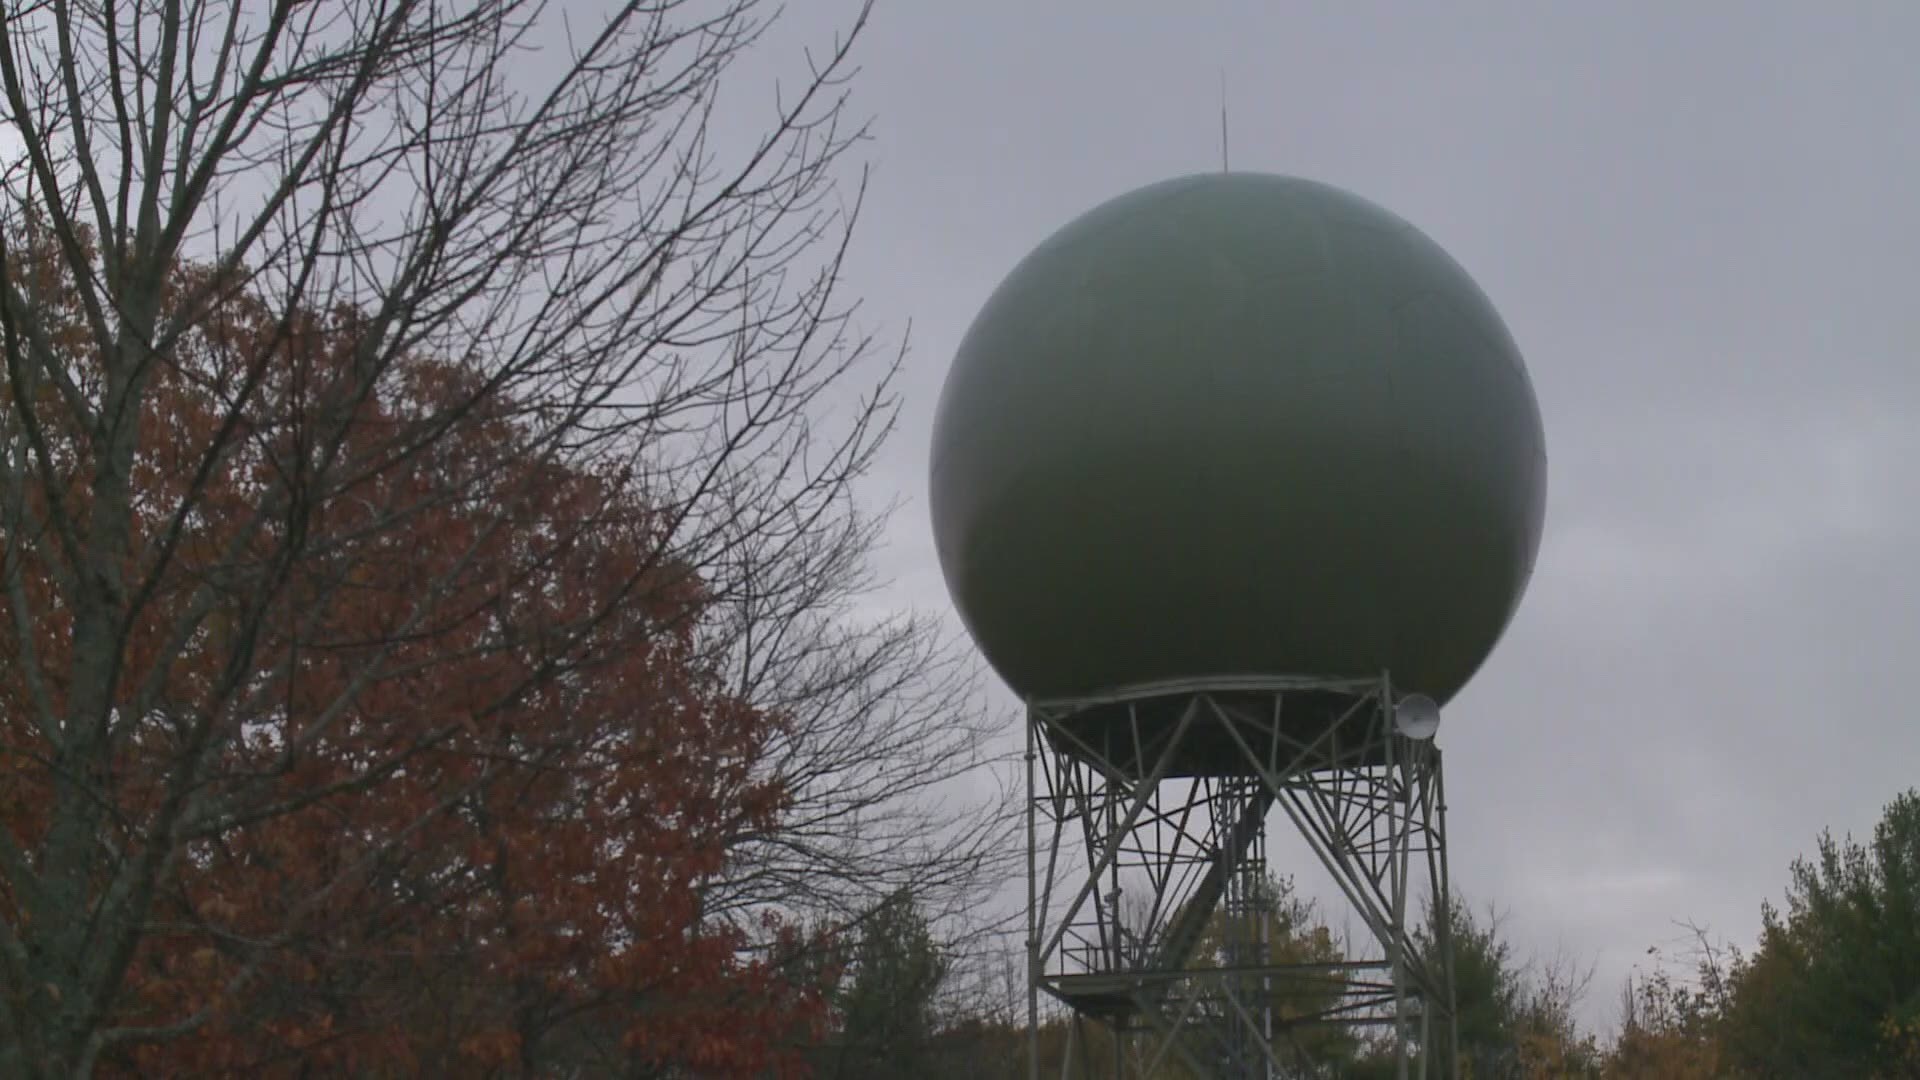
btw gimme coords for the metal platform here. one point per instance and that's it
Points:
(1280, 725)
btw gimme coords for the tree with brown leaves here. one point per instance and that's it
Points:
(426, 494)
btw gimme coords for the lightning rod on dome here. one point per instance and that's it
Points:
(1224, 165)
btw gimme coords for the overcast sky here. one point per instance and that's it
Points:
(1701, 223)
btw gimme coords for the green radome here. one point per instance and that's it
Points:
(1237, 425)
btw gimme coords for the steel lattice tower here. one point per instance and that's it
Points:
(1149, 910)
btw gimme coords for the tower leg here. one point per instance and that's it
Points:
(1033, 914)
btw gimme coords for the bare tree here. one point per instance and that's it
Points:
(534, 210)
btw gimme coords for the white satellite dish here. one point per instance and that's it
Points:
(1417, 716)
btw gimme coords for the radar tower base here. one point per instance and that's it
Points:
(1150, 907)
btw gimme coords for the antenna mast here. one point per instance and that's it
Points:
(1224, 165)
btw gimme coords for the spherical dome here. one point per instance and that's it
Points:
(1236, 425)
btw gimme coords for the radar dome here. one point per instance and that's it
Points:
(1236, 425)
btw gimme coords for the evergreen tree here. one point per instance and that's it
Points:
(886, 1006)
(1834, 989)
